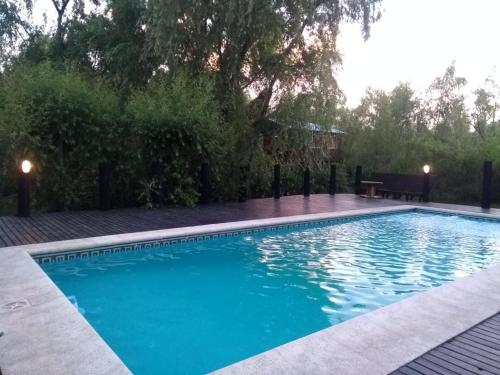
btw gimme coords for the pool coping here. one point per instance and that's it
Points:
(40, 323)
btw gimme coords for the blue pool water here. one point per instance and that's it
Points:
(195, 307)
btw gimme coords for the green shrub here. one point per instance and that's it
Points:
(65, 125)
(176, 125)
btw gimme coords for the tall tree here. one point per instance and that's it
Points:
(263, 47)
(14, 27)
(486, 105)
(446, 110)
(112, 43)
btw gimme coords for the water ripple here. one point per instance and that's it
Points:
(262, 290)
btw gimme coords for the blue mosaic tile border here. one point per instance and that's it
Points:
(161, 243)
(461, 214)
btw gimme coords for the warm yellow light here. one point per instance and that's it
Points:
(426, 169)
(26, 166)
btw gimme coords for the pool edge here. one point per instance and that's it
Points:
(52, 248)
(43, 333)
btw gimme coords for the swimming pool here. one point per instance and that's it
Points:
(198, 306)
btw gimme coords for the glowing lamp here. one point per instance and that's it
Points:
(426, 169)
(26, 166)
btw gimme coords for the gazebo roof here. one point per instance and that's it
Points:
(318, 128)
(270, 124)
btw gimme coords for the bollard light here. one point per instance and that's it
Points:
(487, 185)
(26, 166)
(23, 192)
(426, 189)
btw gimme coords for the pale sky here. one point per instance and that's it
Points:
(416, 40)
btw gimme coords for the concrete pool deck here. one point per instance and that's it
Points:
(44, 333)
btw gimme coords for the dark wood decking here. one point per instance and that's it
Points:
(476, 351)
(81, 224)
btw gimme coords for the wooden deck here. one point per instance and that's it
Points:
(476, 351)
(81, 224)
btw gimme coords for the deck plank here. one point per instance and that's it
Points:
(456, 365)
(434, 368)
(475, 351)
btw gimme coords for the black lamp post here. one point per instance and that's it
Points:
(332, 188)
(307, 182)
(487, 178)
(427, 183)
(23, 192)
(204, 184)
(277, 182)
(357, 180)
(104, 186)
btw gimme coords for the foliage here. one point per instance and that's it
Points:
(177, 126)
(63, 123)
(112, 44)
(400, 132)
(188, 80)
(268, 47)
(13, 27)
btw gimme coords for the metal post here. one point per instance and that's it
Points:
(104, 186)
(357, 181)
(23, 195)
(277, 182)
(332, 189)
(426, 187)
(487, 178)
(307, 182)
(204, 185)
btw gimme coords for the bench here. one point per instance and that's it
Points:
(396, 186)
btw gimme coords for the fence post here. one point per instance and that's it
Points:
(426, 187)
(357, 181)
(307, 182)
(104, 186)
(242, 184)
(277, 182)
(204, 184)
(23, 193)
(487, 178)
(332, 189)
